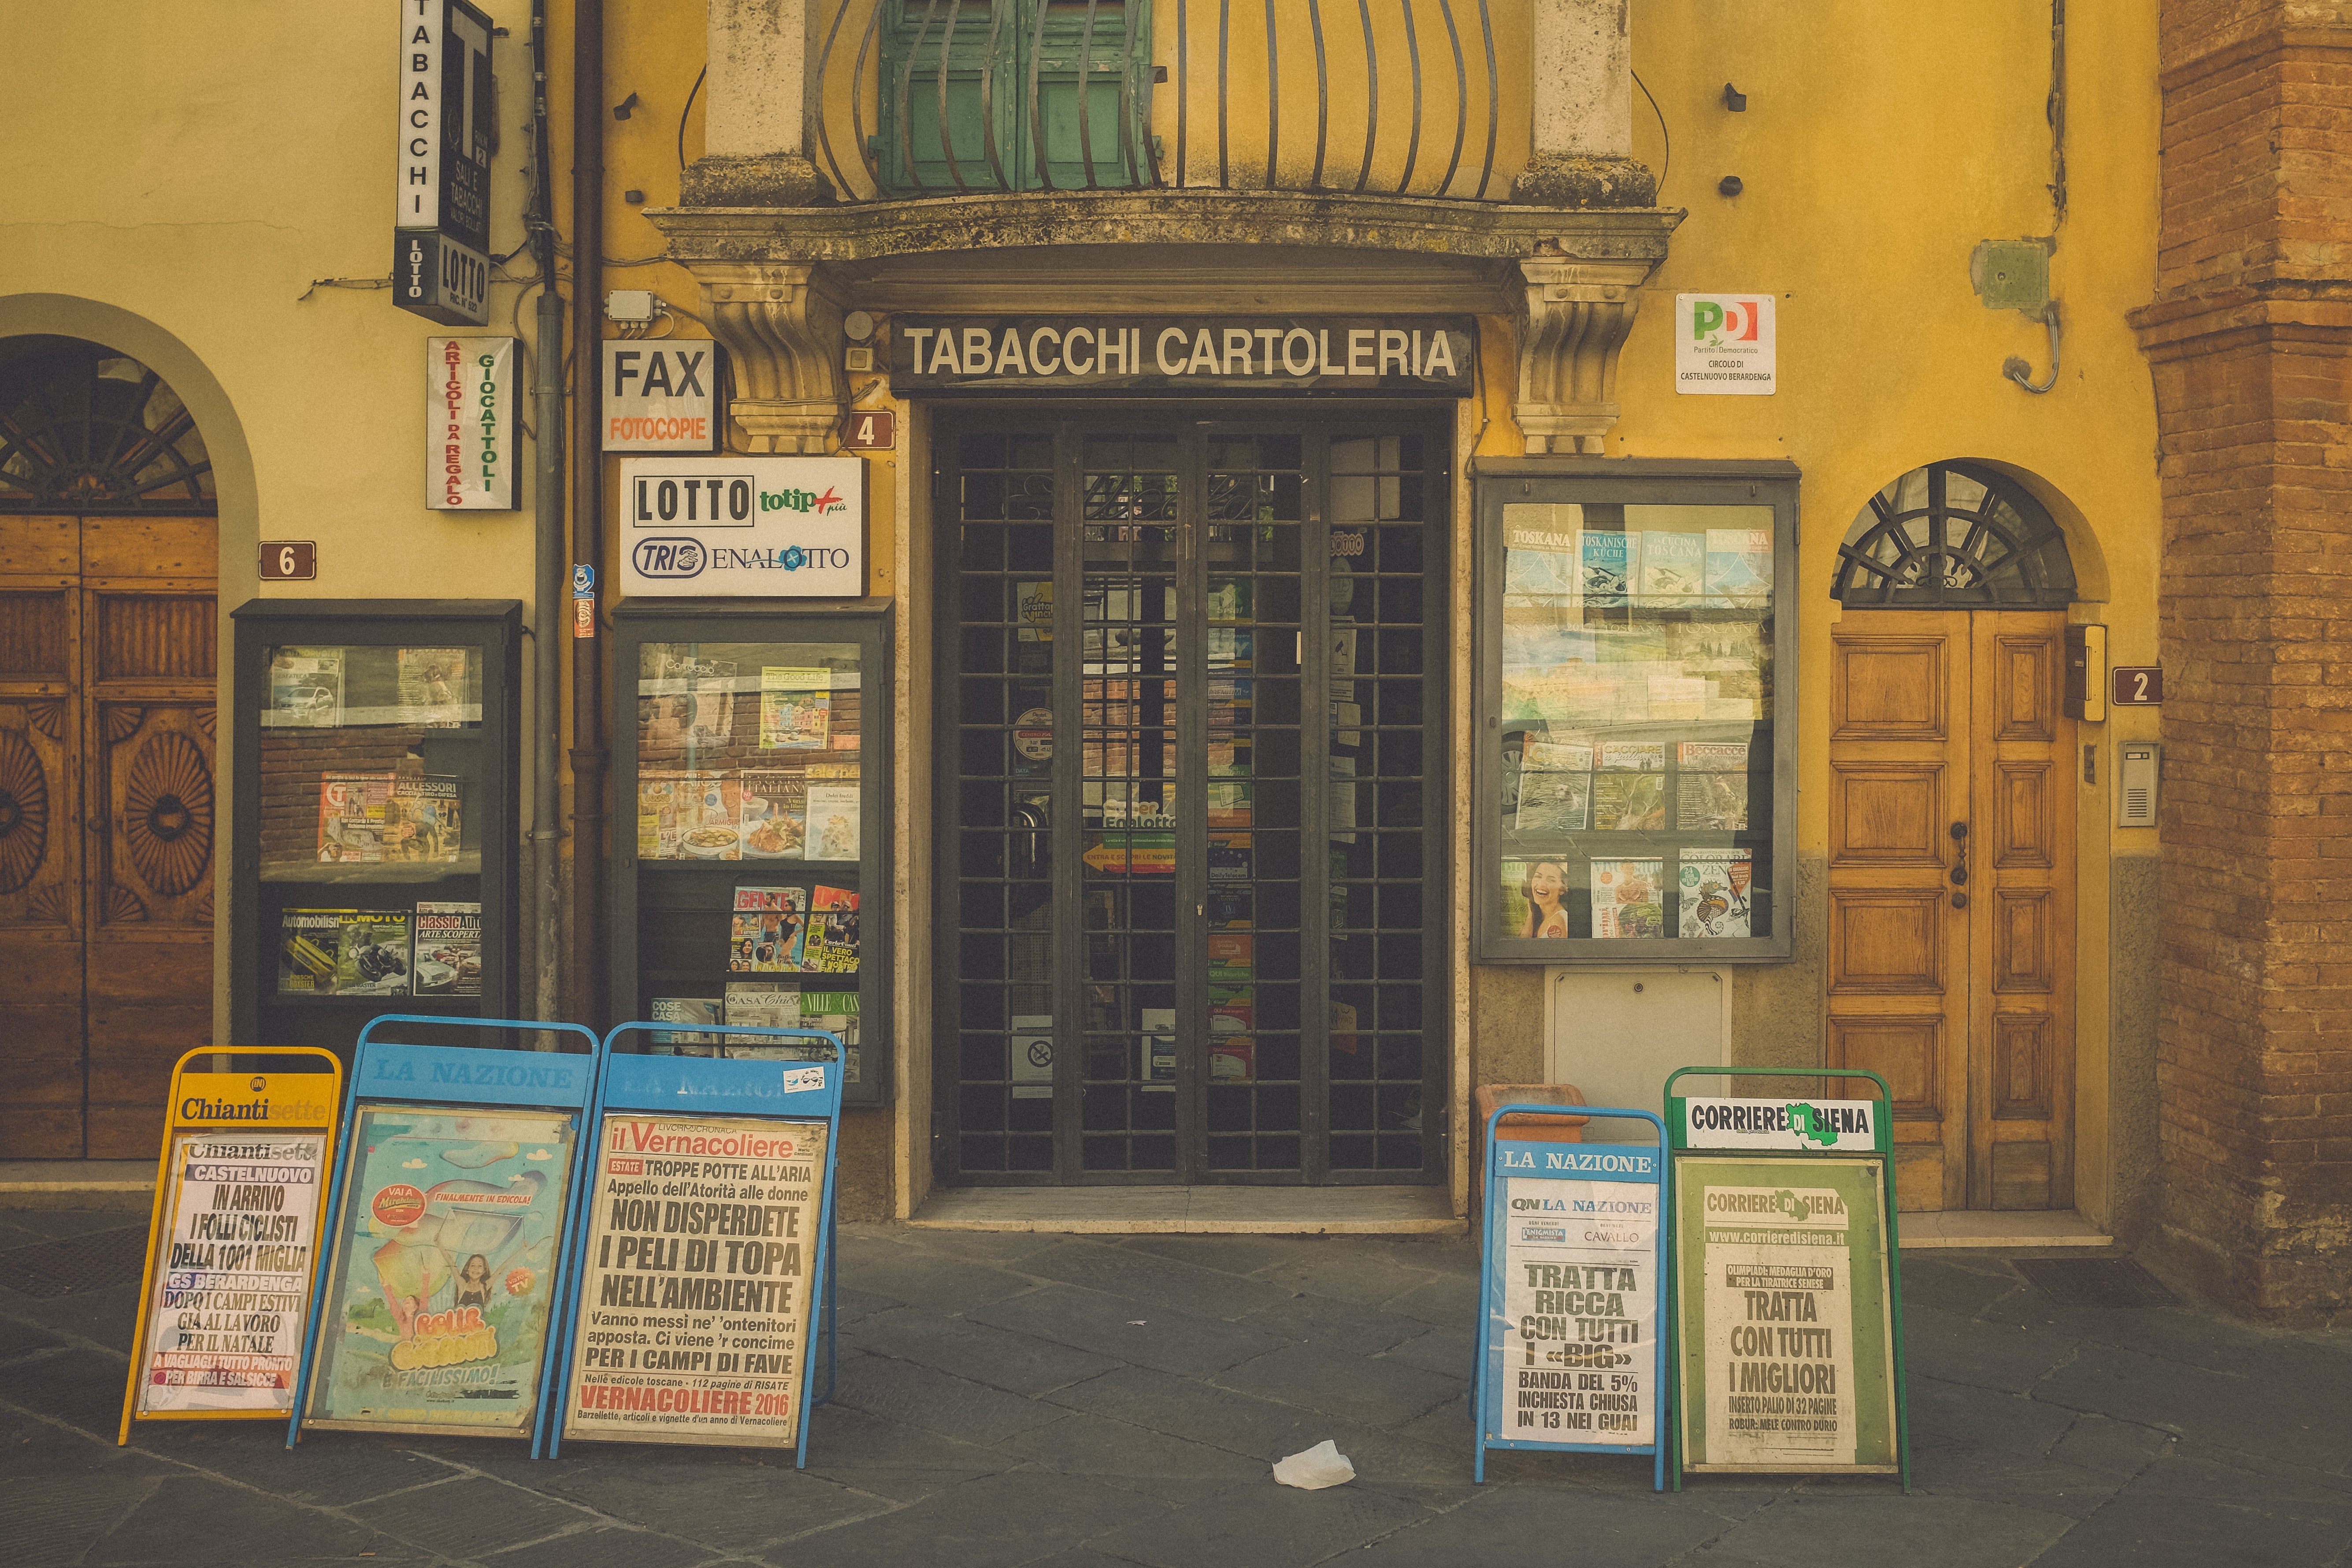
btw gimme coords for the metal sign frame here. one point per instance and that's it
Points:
(702, 1086)
(176, 1121)
(1883, 1149)
(1631, 1163)
(411, 1066)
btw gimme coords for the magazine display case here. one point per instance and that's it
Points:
(751, 872)
(1635, 770)
(378, 815)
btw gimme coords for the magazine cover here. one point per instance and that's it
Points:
(835, 1012)
(1714, 885)
(432, 685)
(448, 949)
(1738, 568)
(1535, 891)
(832, 933)
(769, 931)
(421, 819)
(1555, 788)
(685, 1010)
(372, 959)
(352, 811)
(306, 689)
(774, 815)
(1712, 802)
(1674, 568)
(443, 1259)
(1032, 610)
(1607, 561)
(1632, 756)
(1540, 564)
(688, 703)
(761, 1005)
(1629, 803)
(676, 806)
(1629, 898)
(1712, 756)
(795, 709)
(309, 944)
(833, 826)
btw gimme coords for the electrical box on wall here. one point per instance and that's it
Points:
(2086, 673)
(2139, 765)
(1615, 1034)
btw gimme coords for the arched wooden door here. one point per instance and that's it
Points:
(108, 748)
(1951, 875)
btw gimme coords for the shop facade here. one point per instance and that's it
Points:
(1385, 558)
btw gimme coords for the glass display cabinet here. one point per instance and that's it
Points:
(752, 877)
(1635, 764)
(378, 815)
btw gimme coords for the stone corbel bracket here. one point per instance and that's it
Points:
(1577, 314)
(780, 324)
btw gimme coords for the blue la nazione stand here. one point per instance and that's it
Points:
(1639, 1168)
(715, 1087)
(450, 1078)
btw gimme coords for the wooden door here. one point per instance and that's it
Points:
(107, 824)
(1952, 915)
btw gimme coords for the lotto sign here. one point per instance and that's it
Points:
(658, 396)
(1570, 1357)
(753, 527)
(469, 424)
(1725, 344)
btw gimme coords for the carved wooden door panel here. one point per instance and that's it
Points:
(107, 824)
(1951, 918)
(41, 850)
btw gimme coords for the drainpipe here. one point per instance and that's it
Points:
(550, 555)
(589, 967)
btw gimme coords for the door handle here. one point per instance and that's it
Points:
(1960, 863)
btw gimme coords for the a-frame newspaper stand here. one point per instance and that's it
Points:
(1788, 1319)
(455, 1170)
(233, 1243)
(708, 1219)
(1571, 1355)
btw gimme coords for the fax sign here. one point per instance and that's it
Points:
(1725, 345)
(658, 396)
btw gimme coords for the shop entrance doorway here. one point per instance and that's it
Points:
(1191, 799)
(107, 626)
(1951, 831)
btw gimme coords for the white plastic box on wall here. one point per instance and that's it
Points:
(1615, 1034)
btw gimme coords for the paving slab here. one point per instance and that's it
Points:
(52, 1520)
(1265, 1523)
(469, 1516)
(1128, 1329)
(2010, 1356)
(1226, 1253)
(1163, 1282)
(735, 1507)
(1131, 1456)
(1591, 1531)
(603, 1546)
(2292, 1420)
(992, 1523)
(930, 1399)
(1865, 1522)
(1019, 1364)
(1341, 1326)
(1374, 1390)
(2190, 1513)
(190, 1520)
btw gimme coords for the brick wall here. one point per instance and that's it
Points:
(2250, 340)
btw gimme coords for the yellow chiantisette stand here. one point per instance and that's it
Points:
(240, 1187)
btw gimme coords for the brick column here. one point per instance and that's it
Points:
(2250, 340)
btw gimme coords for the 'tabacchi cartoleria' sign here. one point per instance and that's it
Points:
(1412, 356)
(469, 424)
(748, 527)
(1798, 1126)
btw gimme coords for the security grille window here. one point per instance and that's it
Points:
(1635, 779)
(985, 94)
(1954, 536)
(84, 429)
(1194, 945)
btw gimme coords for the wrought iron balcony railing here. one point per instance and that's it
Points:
(1420, 98)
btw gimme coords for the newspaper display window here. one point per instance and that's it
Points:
(1636, 652)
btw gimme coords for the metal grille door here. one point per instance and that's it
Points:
(1184, 670)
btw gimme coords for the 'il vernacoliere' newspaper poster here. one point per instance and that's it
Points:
(444, 1255)
(237, 1247)
(694, 1301)
(1787, 1353)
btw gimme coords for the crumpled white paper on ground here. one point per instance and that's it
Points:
(1320, 1466)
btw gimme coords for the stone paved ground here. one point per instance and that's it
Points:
(1090, 1403)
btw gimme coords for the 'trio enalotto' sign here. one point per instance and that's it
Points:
(724, 525)
(469, 424)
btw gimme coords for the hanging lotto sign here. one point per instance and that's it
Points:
(444, 1237)
(709, 1210)
(1571, 1355)
(1725, 345)
(469, 424)
(233, 1240)
(657, 396)
(749, 527)
(1788, 1355)
(446, 132)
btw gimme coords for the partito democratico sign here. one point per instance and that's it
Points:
(751, 527)
(469, 424)
(1410, 355)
